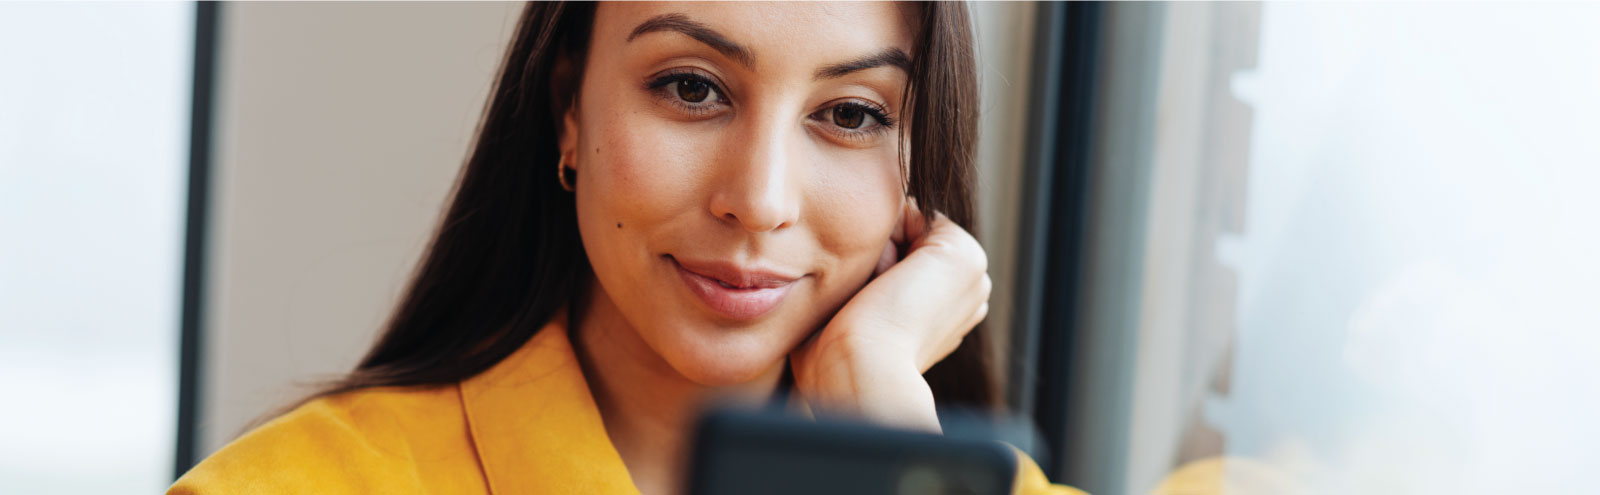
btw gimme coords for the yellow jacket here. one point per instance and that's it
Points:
(527, 425)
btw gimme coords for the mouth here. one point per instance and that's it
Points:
(731, 291)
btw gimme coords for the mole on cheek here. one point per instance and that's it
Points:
(619, 225)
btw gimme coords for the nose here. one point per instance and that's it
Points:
(756, 186)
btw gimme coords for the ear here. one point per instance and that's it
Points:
(569, 135)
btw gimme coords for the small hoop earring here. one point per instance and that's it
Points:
(561, 173)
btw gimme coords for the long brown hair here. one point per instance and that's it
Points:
(507, 255)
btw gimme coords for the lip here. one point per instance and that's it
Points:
(754, 291)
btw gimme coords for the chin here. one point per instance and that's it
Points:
(720, 357)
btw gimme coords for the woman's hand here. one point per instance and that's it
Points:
(868, 361)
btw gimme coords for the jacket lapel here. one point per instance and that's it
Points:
(535, 425)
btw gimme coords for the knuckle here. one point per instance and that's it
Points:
(972, 250)
(980, 259)
(965, 252)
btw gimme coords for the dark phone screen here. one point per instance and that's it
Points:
(769, 453)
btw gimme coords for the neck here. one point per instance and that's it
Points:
(649, 409)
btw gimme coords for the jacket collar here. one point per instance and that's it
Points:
(535, 425)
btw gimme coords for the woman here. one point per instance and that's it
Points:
(669, 204)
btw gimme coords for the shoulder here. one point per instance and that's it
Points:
(372, 440)
(1032, 481)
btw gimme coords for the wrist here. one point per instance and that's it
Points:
(873, 381)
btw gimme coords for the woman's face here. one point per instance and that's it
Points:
(738, 170)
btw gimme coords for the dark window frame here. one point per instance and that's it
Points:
(195, 232)
(1054, 211)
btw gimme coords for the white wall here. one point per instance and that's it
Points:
(341, 128)
(1004, 37)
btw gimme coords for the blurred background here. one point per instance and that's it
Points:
(1238, 247)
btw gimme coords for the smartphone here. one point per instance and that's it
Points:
(767, 452)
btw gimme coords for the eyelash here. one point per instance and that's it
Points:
(885, 123)
(661, 84)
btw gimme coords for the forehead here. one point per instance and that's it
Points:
(778, 34)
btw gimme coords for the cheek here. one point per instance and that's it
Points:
(855, 205)
(639, 179)
(638, 170)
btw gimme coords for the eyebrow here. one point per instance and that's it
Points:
(677, 22)
(681, 23)
(893, 57)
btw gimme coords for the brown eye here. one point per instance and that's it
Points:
(693, 91)
(848, 117)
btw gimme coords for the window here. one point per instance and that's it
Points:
(1342, 248)
(94, 144)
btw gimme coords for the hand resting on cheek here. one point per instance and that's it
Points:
(869, 359)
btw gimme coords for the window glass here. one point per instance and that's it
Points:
(94, 135)
(1371, 256)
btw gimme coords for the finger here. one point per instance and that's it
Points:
(982, 311)
(945, 242)
(886, 259)
(941, 230)
(899, 235)
(915, 224)
(952, 340)
(977, 317)
(985, 285)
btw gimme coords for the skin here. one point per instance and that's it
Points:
(758, 174)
